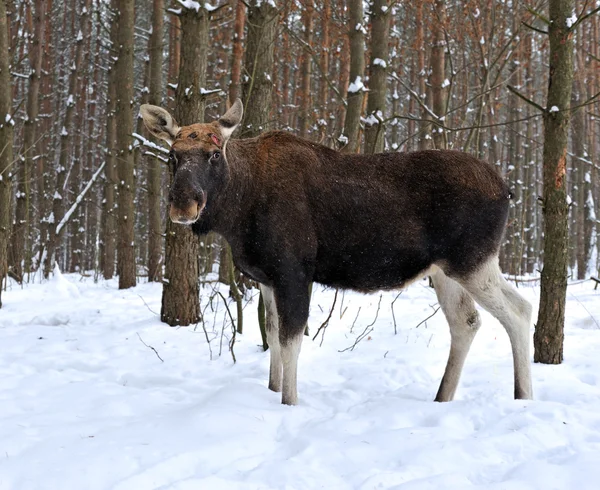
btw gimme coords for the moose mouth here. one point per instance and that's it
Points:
(186, 216)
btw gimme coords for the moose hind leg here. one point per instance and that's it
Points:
(289, 355)
(499, 298)
(464, 321)
(272, 328)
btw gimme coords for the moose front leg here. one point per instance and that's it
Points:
(272, 329)
(292, 306)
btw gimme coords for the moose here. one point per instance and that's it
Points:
(295, 211)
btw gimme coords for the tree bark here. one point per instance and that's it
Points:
(237, 51)
(376, 102)
(438, 74)
(124, 121)
(258, 64)
(6, 143)
(305, 93)
(21, 237)
(66, 141)
(181, 293)
(108, 241)
(155, 238)
(357, 73)
(549, 331)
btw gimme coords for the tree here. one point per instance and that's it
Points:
(376, 102)
(108, 243)
(154, 168)
(549, 331)
(181, 293)
(22, 248)
(6, 143)
(438, 73)
(237, 51)
(357, 73)
(124, 122)
(66, 142)
(257, 89)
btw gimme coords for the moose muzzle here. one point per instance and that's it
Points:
(187, 215)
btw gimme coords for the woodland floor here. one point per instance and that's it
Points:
(84, 404)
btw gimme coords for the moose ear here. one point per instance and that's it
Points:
(159, 122)
(231, 119)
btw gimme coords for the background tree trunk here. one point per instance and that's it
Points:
(357, 73)
(376, 102)
(258, 64)
(21, 238)
(126, 266)
(155, 230)
(6, 144)
(237, 51)
(549, 331)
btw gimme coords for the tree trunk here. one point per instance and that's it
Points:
(66, 141)
(305, 93)
(181, 293)
(438, 74)
(155, 238)
(324, 64)
(376, 102)
(357, 73)
(21, 238)
(108, 241)
(237, 51)
(6, 143)
(258, 64)
(124, 121)
(549, 331)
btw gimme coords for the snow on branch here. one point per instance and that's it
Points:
(80, 197)
(149, 144)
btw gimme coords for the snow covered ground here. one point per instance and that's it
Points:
(85, 404)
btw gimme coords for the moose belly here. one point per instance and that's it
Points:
(370, 270)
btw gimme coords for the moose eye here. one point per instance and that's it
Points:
(215, 156)
(172, 158)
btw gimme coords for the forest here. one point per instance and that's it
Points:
(100, 393)
(467, 75)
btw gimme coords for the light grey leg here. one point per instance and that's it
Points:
(464, 321)
(498, 297)
(272, 328)
(290, 350)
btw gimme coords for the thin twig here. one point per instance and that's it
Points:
(368, 329)
(150, 347)
(149, 309)
(434, 312)
(232, 341)
(393, 315)
(326, 322)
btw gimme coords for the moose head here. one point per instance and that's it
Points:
(197, 157)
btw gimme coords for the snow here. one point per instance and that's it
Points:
(553, 109)
(571, 20)
(190, 4)
(356, 86)
(64, 132)
(79, 36)
(380, 62)
(445, 83)
(84, 403)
